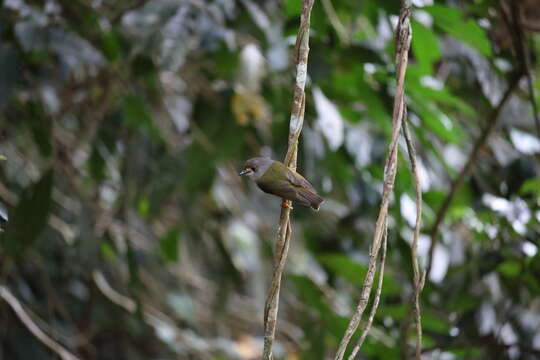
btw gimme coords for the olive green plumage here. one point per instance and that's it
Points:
(275, 178)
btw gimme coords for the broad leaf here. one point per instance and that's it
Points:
(30, 216)
(451, 21)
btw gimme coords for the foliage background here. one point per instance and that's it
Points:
(127, 233)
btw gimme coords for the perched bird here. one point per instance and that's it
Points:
(277, 179)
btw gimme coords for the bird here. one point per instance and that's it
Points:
(274, 177)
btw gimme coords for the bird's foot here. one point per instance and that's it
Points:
(286, 204)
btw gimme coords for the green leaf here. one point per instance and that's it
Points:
(201, 168)
(107, 250)
(30, 216)
(169, 245)
(110, 43)
(469, 352)
(343, 266)
(440, 96)
(293, 7)
(434, 323)
(531, 186)
(311, 293)
(9, 72)
(96, 164)
(354, 272)
(425, 46)
(41, 127)
(143, 207)
(451, 21)
(315, 298)
(509, 268)
(337, 165)
(436, 120)
(465, 303)
(137, 116)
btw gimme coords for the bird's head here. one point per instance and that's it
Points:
(256, 167)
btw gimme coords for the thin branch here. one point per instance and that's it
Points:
(152, 317)
(473, 157)
(284, 229)
(26, 319)
(333, 17)
(418, 277)
(376, 299)
(403, 40)
(521, 52)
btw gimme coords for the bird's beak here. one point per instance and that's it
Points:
(246, 172)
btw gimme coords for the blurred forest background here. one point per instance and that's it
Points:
(128, 234)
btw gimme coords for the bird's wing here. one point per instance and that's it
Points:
(278, 181)
(284, 189)
(298, 180)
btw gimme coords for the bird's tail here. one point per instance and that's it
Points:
(314, 200)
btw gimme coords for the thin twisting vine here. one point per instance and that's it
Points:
(403, 40)
(419, 277)
(284, 229)
(376, 299)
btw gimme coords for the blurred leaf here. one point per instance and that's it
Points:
(136, 114)
(107, 251)
(248, 107)
(292, 8)
(531, 186)
(337, 165)
(509, 268)
(354, 272)
(352, 86)
(133, 267)
(464, 302)
(314, 297)
(425, 46)
(41, 127)
(143, 207)
(311, 293)
(201, 169)
(436, 120)
(434, 198)
(343, 266)
(431, 322)
(9, 72)
(227, 66)
(169, 245)
(96, 164)
(469, 353)
(461, 203)
(30, 216)
(111, 45)
(417, 86)
(452, 21)
(144, 69)
(397, 312)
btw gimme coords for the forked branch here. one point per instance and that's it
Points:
(403, 41)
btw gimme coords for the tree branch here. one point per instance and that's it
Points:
(419, 278)
(284, 229)
(524, 59)
(478, 146)
(376, 299)
(26, 319)
(403, 41)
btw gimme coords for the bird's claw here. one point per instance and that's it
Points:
(286, 204)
